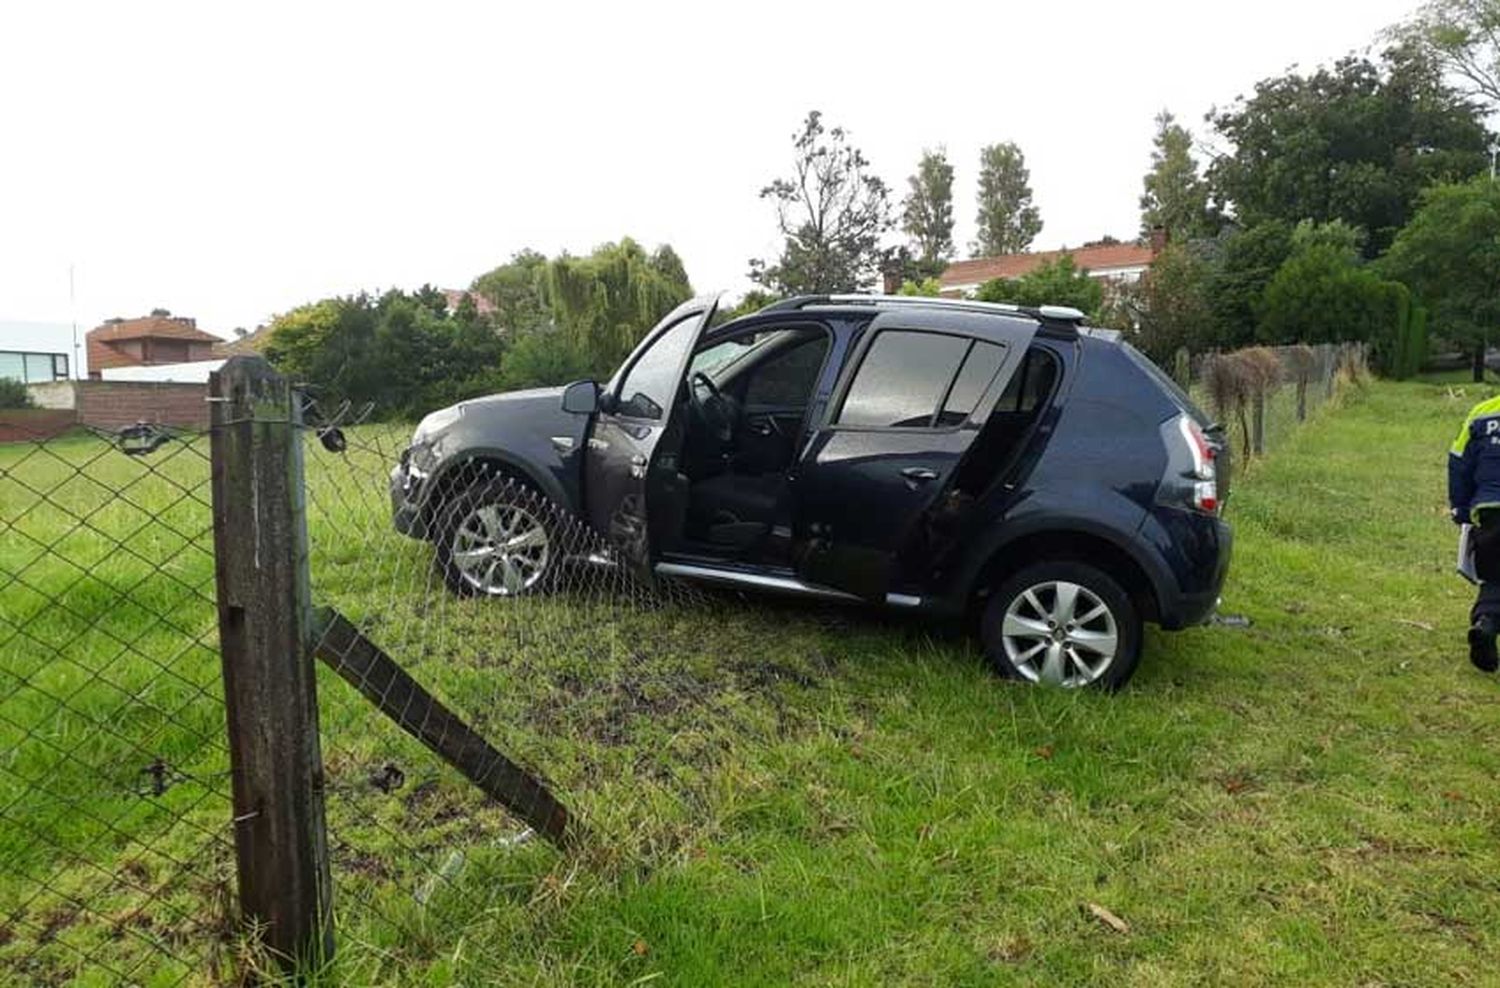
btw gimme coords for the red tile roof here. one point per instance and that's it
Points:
(111, 344)
(1103, 257)
(153, 328)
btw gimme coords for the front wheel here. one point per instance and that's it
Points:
(499, 538)
(1063, 624)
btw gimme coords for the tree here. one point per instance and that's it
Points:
(1449, 255)
(1057, 282)
(514, 288)
(927, 213)
(1169, 305)
(1247, 261)
(403, 352)
(1322, 294)
(1356, 142)
(1176, 198)
(604, 303)
(1007, 220)
(927, 287)
(831, 213)
(1463, 38)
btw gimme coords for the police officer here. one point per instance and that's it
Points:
(1474, 497)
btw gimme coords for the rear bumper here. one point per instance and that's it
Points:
(1201, 566)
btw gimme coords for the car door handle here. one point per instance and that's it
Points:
(918, 475)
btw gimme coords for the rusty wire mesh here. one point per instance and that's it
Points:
(116, 853)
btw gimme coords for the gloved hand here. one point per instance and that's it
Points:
(1459, 516)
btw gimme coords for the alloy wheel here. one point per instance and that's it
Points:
(1060, 633)
(501, 549)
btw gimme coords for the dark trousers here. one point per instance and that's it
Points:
(1486, 543)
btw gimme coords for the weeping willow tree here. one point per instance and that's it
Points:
(601, 305)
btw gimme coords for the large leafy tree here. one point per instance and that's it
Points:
(1323, 294)
(1008, 222)
(1463, 38)
(403, 352)
(1357, 142)
(1057, 282)
(927, 213)
(1449, 255)
(1176, 196)
(601, 305)
(831, 212)
(1247, 260)
(514, 288)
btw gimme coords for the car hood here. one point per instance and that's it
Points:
(508, 399)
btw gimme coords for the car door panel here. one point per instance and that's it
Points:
(863, 495)
(633, 489)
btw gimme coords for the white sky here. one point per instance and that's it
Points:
(232, 164)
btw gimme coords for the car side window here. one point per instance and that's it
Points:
(652, 380)
(979, 369)
(787, 378)
(902, 379)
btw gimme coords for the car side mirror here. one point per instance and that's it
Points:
(581, 398)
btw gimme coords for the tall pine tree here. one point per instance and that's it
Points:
(1007, 220)
(927, 213)
(1176, 197)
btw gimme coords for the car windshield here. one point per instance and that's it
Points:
(716, 359)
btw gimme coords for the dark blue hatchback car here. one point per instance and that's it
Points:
(969, 459)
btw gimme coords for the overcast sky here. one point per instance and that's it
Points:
(232, 164)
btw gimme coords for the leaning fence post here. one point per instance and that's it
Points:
(260, 553)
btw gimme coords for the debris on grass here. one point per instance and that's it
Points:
(1108, 918)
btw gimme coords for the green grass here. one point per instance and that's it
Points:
(792, 795)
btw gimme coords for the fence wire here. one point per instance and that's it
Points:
(1262, 394)
(629, 699)
(116, 852)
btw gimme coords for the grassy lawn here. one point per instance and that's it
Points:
(794, 795)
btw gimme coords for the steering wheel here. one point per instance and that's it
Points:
(715, 410)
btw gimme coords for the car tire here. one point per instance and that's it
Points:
(499, 538)
(1063, 623)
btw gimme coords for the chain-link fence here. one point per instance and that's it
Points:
(1261, 394)
(115, 843)
(629, 698)
(496, 682)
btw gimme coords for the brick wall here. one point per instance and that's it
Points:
(116, 404)
(19, 425)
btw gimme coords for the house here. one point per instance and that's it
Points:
(1118, 263)
(159, 338)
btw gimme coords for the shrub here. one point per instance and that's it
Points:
(13, 394)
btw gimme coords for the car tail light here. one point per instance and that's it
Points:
(1196, 478)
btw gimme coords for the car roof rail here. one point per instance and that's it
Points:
(1056, 316)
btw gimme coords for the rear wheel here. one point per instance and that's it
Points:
(499, 538)
(1063, 624)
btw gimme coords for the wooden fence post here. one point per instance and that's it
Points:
(1258, 423)
(260, 551)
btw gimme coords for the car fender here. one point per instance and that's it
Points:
(1119, 527)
